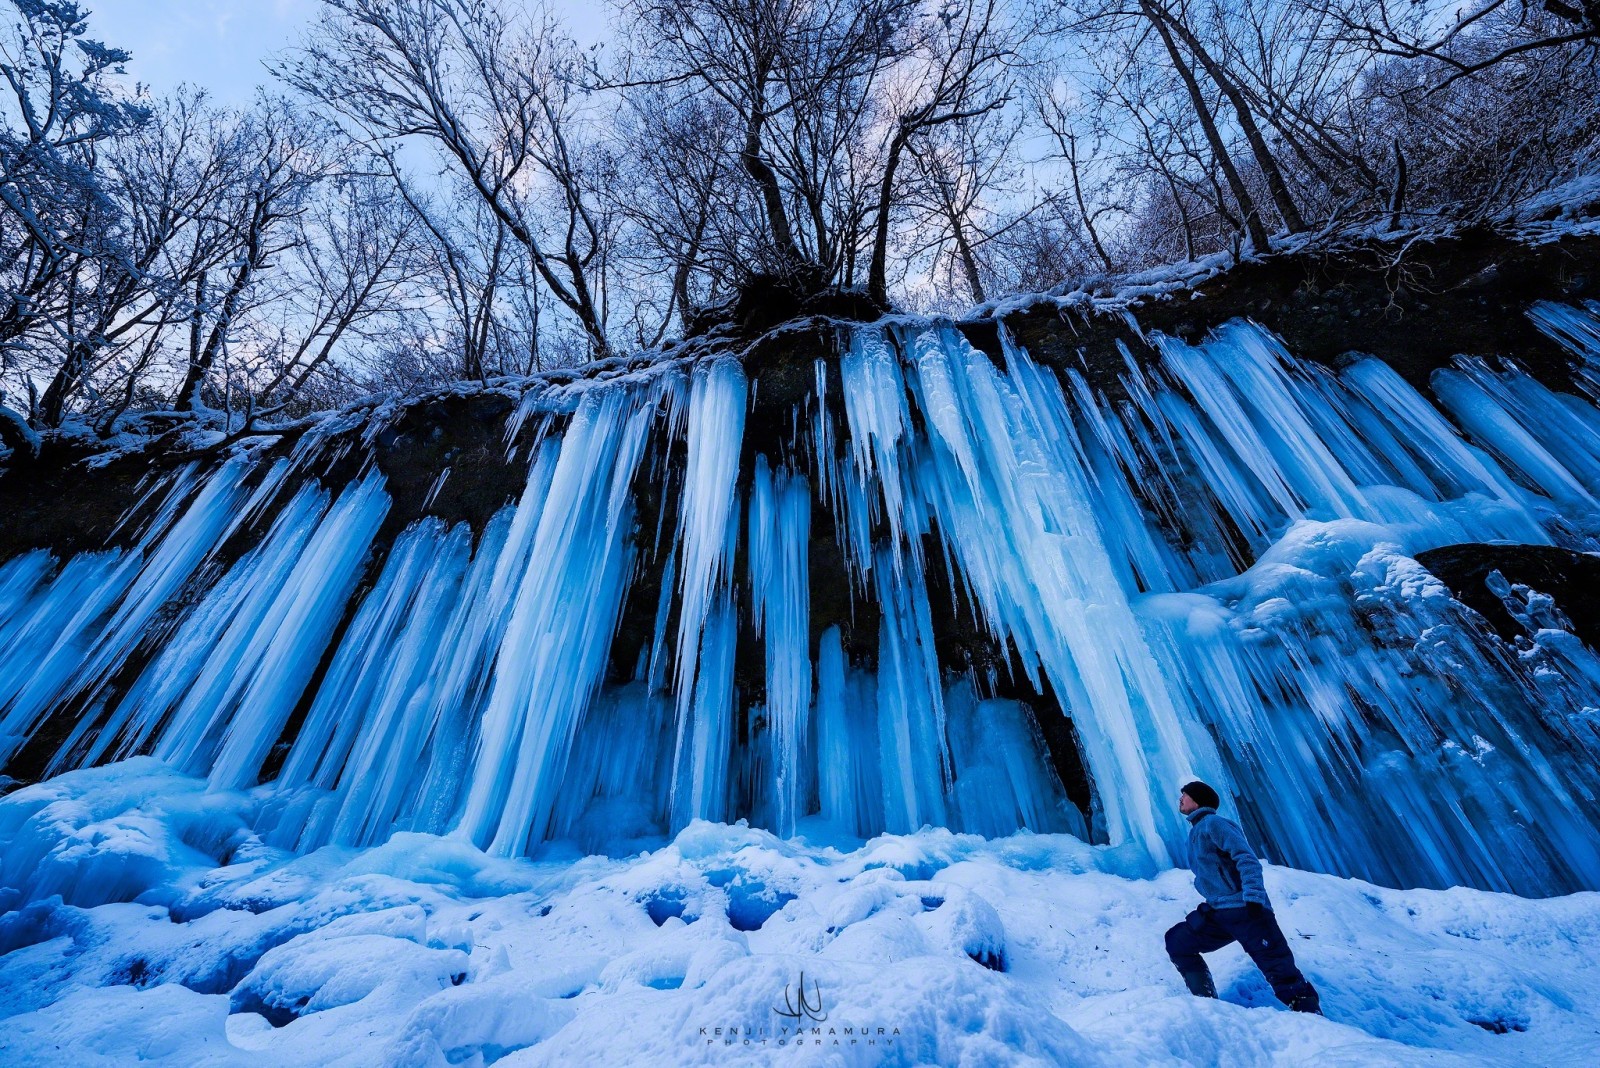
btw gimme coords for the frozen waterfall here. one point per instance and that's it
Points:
(1209, 570)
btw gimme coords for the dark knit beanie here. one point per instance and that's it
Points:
(1202, 795)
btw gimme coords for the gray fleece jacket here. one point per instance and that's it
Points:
(1226, 871)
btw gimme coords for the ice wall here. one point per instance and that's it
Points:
(1210, 571)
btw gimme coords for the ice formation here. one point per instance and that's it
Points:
(1210, 570)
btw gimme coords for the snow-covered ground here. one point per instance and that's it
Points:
(144, 921)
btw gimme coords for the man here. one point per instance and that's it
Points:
(1235, 908)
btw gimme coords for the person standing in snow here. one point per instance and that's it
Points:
(1235, 909)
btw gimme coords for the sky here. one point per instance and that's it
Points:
(221, 44)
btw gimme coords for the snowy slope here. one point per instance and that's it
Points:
(216, 949)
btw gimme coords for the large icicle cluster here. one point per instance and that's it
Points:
(1210, 572)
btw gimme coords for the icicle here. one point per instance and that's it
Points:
(1563, 424)
(613, 796)
(50, 632)
(1100, 542)
(1312, 704)
(840, 485)
(848, 771)
(1151, 563)
(1239, 380)
(20, 580)
(822, 433)
(467, 648)
(708, 523)
(1002, 782)
(1453, 467)
(705, 736)
(915, 756)
(371, 717)
(1014, 501)
(202, 655)
(277, 657)
(554, 652)
(93, 627)
(1479, 403)
(874, 401)
(656, 671)
(778, 549)
(1575, 329)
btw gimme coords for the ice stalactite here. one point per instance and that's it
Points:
(1003, 785)
(1254, 452)
(553, 656)
(705, 739)
(463, 673)
(387, 739)
(376, 710)
(77, 629)
(708, 530)
(875, 405)
(289, 643)
(49, 629)
(913, 751)
(614, 794)
(1011, 492)
(1337, 676)
(848, 774)
(839, 488)
(1428, 454)
(1244, 444)
(1346, 686)
(1209, 569)
(1482, 402)
(1576, 329)
(777, 548)
(249, 652)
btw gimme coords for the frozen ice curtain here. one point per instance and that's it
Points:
(1209, 569)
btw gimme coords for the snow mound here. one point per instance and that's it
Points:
(145, 920)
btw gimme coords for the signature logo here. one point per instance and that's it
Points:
(809, 1007)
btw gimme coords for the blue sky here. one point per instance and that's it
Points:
(220, 44)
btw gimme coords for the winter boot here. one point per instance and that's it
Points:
(1199, 984)
(1307, 1002)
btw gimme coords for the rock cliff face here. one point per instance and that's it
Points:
(1027, 570)
(1416, 307)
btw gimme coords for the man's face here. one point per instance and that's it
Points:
(1186, 804)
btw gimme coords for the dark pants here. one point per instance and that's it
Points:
(1207, 929)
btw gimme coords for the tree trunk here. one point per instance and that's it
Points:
(188, 398)
(969, 262)
(63, 385)
(1247, 208)
(1279, 188)
(878, 269)
(755, 165)
(65, 382)
(1083, 210)
(1397, 202)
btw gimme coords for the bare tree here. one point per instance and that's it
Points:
(497, 96)
(1059, 120)
(1176, 19)
(1477, 39)
(56, 222)
(355, 261)
(802, 81)
(683, 195)
(958, 57)
(167, 178)
(486, 200)
(277, 160)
